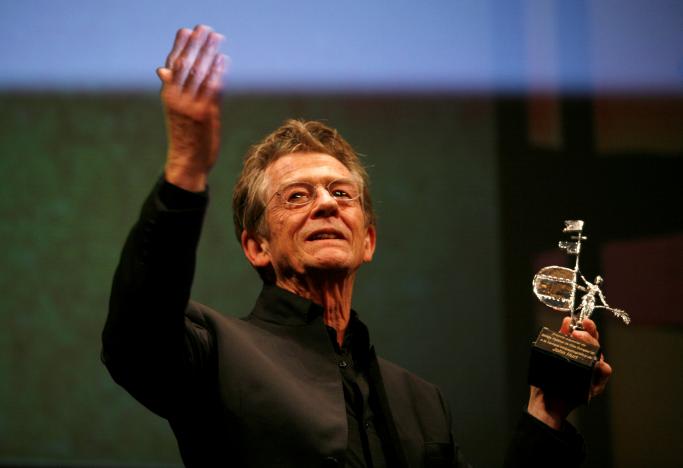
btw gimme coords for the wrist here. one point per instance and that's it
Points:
(186, 178)
(550, 411)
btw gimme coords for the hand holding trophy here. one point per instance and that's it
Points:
(560, 364)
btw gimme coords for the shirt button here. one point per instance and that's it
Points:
(343, 364)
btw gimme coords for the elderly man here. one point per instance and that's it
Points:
(297, 382)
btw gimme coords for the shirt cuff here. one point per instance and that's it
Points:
(536, 445)
(176, 198)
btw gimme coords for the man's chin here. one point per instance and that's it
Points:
(331, 261)
(329, 265)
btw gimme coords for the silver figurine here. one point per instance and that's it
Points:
(556, 286)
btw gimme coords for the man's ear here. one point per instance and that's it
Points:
(369, 243)
(255, 249)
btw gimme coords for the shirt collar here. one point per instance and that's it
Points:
(277, 305)
(280, 306)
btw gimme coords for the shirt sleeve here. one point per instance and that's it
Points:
(149, 345)
(536, 445)
(173, 197)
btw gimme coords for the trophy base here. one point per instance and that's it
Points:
(562, 366)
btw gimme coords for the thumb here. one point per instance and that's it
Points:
(164, 74)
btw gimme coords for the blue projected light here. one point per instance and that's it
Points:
(398, 46)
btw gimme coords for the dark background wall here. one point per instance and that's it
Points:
(467, 210)
(514, 116)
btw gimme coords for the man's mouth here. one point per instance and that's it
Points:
(324, 235)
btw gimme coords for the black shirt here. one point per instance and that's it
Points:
(365, 448)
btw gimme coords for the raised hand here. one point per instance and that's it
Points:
(191, 94)
(553, 411)
(590, 335)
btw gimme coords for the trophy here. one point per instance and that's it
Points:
(560, 364)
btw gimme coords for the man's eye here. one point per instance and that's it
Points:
(298, 197)
(343, 191)
(341, 194)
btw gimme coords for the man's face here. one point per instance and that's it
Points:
(324, 235)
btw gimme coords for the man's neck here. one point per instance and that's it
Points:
(334, 294)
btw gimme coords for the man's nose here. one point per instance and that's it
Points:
(324, 204)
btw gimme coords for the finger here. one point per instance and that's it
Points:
(586, 337)
(604, 369)
(591, 328)
(566, 324)
(601, 376)
(181, 38)
(203, 63)
(213, 84)
(184, 63)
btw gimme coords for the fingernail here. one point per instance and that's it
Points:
(218, 36)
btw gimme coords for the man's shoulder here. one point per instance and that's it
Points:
(225, 326)
(206, 317)
(392, 373)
